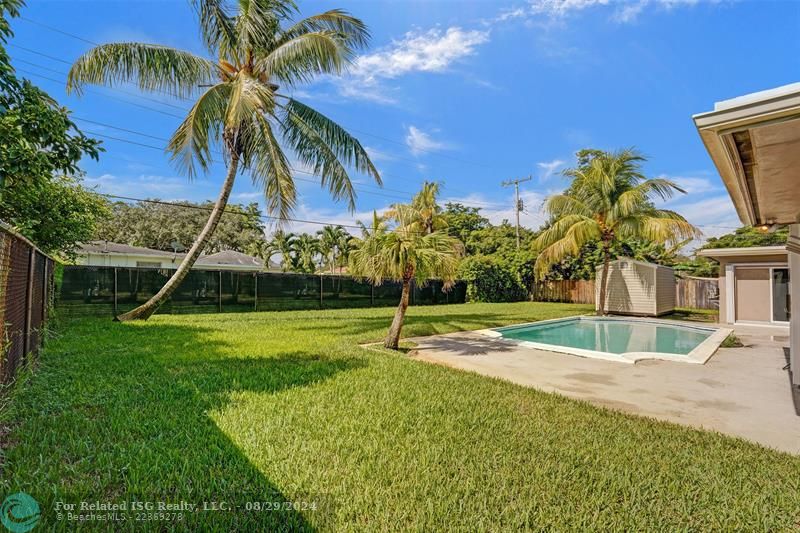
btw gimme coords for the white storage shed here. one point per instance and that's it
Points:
(637, 288)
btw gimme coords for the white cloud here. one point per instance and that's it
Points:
(434, 50)
(692, 185)
(549, 168)
(418, 141)
(624, 12)
(430, 51)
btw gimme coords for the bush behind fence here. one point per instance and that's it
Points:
(26, 283)
(88, 290)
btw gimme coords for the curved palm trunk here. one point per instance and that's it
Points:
(601, 310)
(146, 310)
(393, 337)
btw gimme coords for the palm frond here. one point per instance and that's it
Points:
(191, 142)
(217, 28)
(353, 31)
(346, 147)
(301, 59)
(151, 67)
(268, 166)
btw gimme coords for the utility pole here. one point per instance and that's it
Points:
(518, 206)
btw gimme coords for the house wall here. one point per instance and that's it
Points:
(631, 288)
(725, 263)
(125, 260)
(665, 290)
(167, 261)
(794, 281)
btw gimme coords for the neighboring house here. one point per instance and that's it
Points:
(753, 284)
(105, 253)
(754, 141)
(637, 288)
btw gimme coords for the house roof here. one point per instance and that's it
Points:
(740, 252)
(754, 141)
(225, 257)
(108, 247)
(230, 257)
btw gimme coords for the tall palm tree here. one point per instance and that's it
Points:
(306, 248)
(609, 199)
(403, 254)
(254, 48)
(283, 244)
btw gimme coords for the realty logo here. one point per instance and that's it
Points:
(20, 513)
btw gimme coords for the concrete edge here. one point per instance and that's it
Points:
(700, 355)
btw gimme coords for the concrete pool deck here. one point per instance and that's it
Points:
(742, 392)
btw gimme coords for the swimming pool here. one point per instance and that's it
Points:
(618, 339)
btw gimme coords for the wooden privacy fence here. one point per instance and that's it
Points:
(568, 291)
(697, 293)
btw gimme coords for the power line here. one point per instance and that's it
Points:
(474, 203)
(376, 136)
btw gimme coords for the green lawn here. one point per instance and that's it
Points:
(259, 406)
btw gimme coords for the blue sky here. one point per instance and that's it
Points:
(465, 93)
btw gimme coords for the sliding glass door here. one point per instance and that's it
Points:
(780, 295)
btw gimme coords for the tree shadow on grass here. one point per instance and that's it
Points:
(367, 327)
(124, 411)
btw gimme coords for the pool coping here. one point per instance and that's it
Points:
(700, 355)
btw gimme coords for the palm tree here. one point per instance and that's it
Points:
(306, 248)
(283, 244)
(330, 243)
(609, 200)
(430, 212)
(253, 49)
(403, 254)
(262, 249)
(344, 244)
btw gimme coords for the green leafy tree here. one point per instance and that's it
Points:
(464, 221)
(55, 213)
(40, 191)
(608, 200)
(748, 236)
(405, 252)
(160, 226)
(255, 49)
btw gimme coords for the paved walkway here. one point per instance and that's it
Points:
(740, 391)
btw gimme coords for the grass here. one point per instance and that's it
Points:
(695, 315)
(286, 405)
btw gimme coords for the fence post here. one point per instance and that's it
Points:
(28, 305)
(371, 294)
(115, 291)
(255, 292)
(320, 290)
(219, 292)
(45, 290)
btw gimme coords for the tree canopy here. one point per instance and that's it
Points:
(40, 190)
(160, 225)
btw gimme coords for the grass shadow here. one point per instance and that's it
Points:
(147, 434)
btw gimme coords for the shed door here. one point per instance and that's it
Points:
(753, 295)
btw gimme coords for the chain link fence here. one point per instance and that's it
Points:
(26, 289)
(97, 291)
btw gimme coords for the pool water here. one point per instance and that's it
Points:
(611, 335)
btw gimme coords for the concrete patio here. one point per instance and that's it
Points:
(742, 392)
